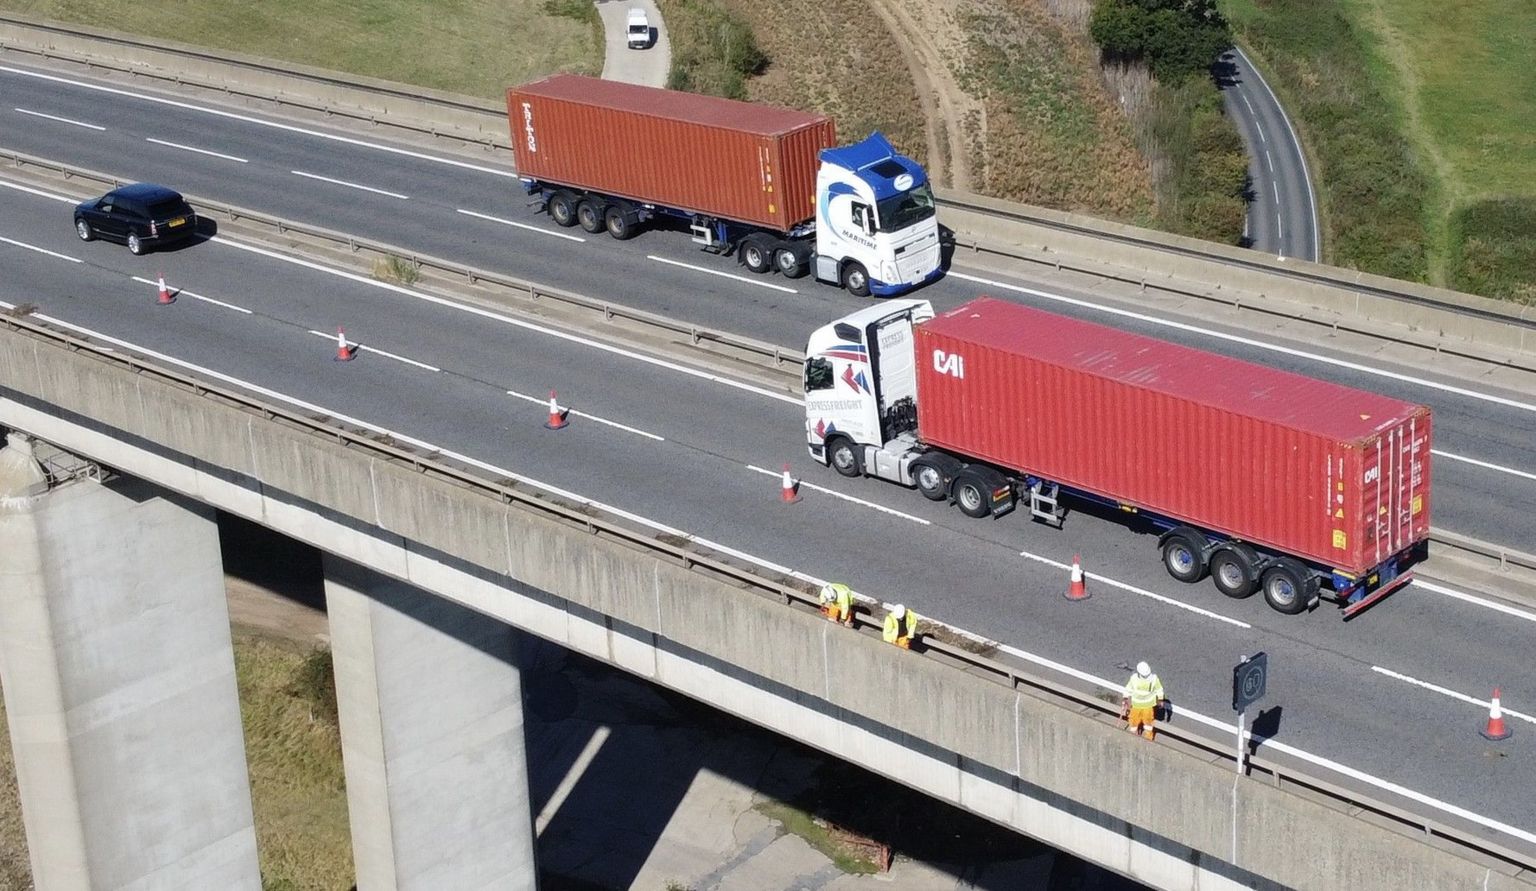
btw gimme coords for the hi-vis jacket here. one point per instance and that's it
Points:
(1144, 692)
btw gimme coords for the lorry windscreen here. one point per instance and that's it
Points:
(901, 211)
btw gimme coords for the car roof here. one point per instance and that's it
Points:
(148, 193)
(636, 16)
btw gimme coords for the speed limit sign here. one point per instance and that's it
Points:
(1248, 679)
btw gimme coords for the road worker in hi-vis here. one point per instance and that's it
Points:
(837, 603)
(1143, 697)
(900, 627)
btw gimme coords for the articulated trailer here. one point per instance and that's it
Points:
(1265, 480)
(768, 183)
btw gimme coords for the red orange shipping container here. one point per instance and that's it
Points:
(1300, 465)
(734, 160)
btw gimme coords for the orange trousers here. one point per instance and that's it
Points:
(1142, 717)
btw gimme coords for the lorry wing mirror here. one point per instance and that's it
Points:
(848, 332)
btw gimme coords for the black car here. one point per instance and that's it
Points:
(143, 215)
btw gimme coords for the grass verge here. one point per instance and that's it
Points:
(15, 869)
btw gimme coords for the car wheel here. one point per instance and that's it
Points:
(589, 214)
(562, 209)
(1184, 555)
(84, 230)
(1235, 570)
(135, 246)
(844, 459)
(856, 280)
(755, 254)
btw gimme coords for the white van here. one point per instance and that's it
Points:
(639, 29)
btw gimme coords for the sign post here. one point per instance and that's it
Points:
(1248, 680)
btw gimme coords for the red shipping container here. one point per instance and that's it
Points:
(1302, 466)
(734, 160)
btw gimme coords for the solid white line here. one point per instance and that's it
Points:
(185, 293)
(759, 561)
(229, 115)
(1270, 160)
(387, 355)
(1485, 704)
(662, 527)
(519, 323)
(1067, 567)
(1484, 464)
(1494, 605)
(530, 227)
(582, 414)
(188, 148)
(342, 182)
(1306, 177)
(1249, 341)
(33, 247)
(51, 117)
(39, 192)
(572, 776)
(740, 278)
(859, 501)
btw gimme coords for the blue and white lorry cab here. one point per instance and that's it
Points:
(877, 230)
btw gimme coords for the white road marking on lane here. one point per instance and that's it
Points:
(366, 348)
(1494, 605)
(1067, 567)
(1484, 464)
(1485, 704)
(740, 278)
(33, 247)
(581, 414)
(1260, 127)
(518, 323)
(1252, 342)
(529, 226)
(1270, 160)
(1301, 155)
(39, 192)
(185, 293)
(342, 182)
(229, 115)
(779, 474)
(1276, 184)
(188, 148)
(1249, 104)
(501, 472)
(54, 117)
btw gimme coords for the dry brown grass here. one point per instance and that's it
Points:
(15, 871)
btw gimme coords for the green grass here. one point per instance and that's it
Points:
(15, 870)
(474, 47)
(1418, 116)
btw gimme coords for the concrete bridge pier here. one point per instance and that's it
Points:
(119, 681)
(431, 707)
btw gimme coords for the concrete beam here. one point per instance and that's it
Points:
(120, 685)
(431, 708)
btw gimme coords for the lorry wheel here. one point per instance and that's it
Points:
(755, 254)
(843, 458)
(788, 263)
(616, 220)
(856, 280)
(972, 496)
(590, 215)
(1288, 586)
(1184, 554)
(930, 481)
(562, 208)
(1235, 570)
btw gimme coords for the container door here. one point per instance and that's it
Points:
(1395, 473)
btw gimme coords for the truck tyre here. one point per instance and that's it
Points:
(755, 254)
(562, 209)
(1184, 554)
(844, 458)
(789, 262)
(619, 222)
(930, 480)
(589, 213)
(1289, 587)
(856, 280)
(973, 490)
(1235, 570)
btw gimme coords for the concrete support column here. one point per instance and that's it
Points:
(431, 708)
(119, 682)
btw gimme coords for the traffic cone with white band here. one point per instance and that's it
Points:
(1077, 589)
(164, 297)
(344, 350)
(556, 416)
(1496, 730)
(788, 492)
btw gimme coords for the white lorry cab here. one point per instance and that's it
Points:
(877, 230)
(861, 391)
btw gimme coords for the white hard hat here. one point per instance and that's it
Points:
(1143, 669)
(826, 591)
(899, 611)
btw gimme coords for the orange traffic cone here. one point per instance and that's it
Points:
(1496, 728)
(344, 351)
(165, 298)
(789, 493)
(1077, 590)
(556, 416)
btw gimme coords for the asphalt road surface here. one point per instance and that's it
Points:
(702, 456)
